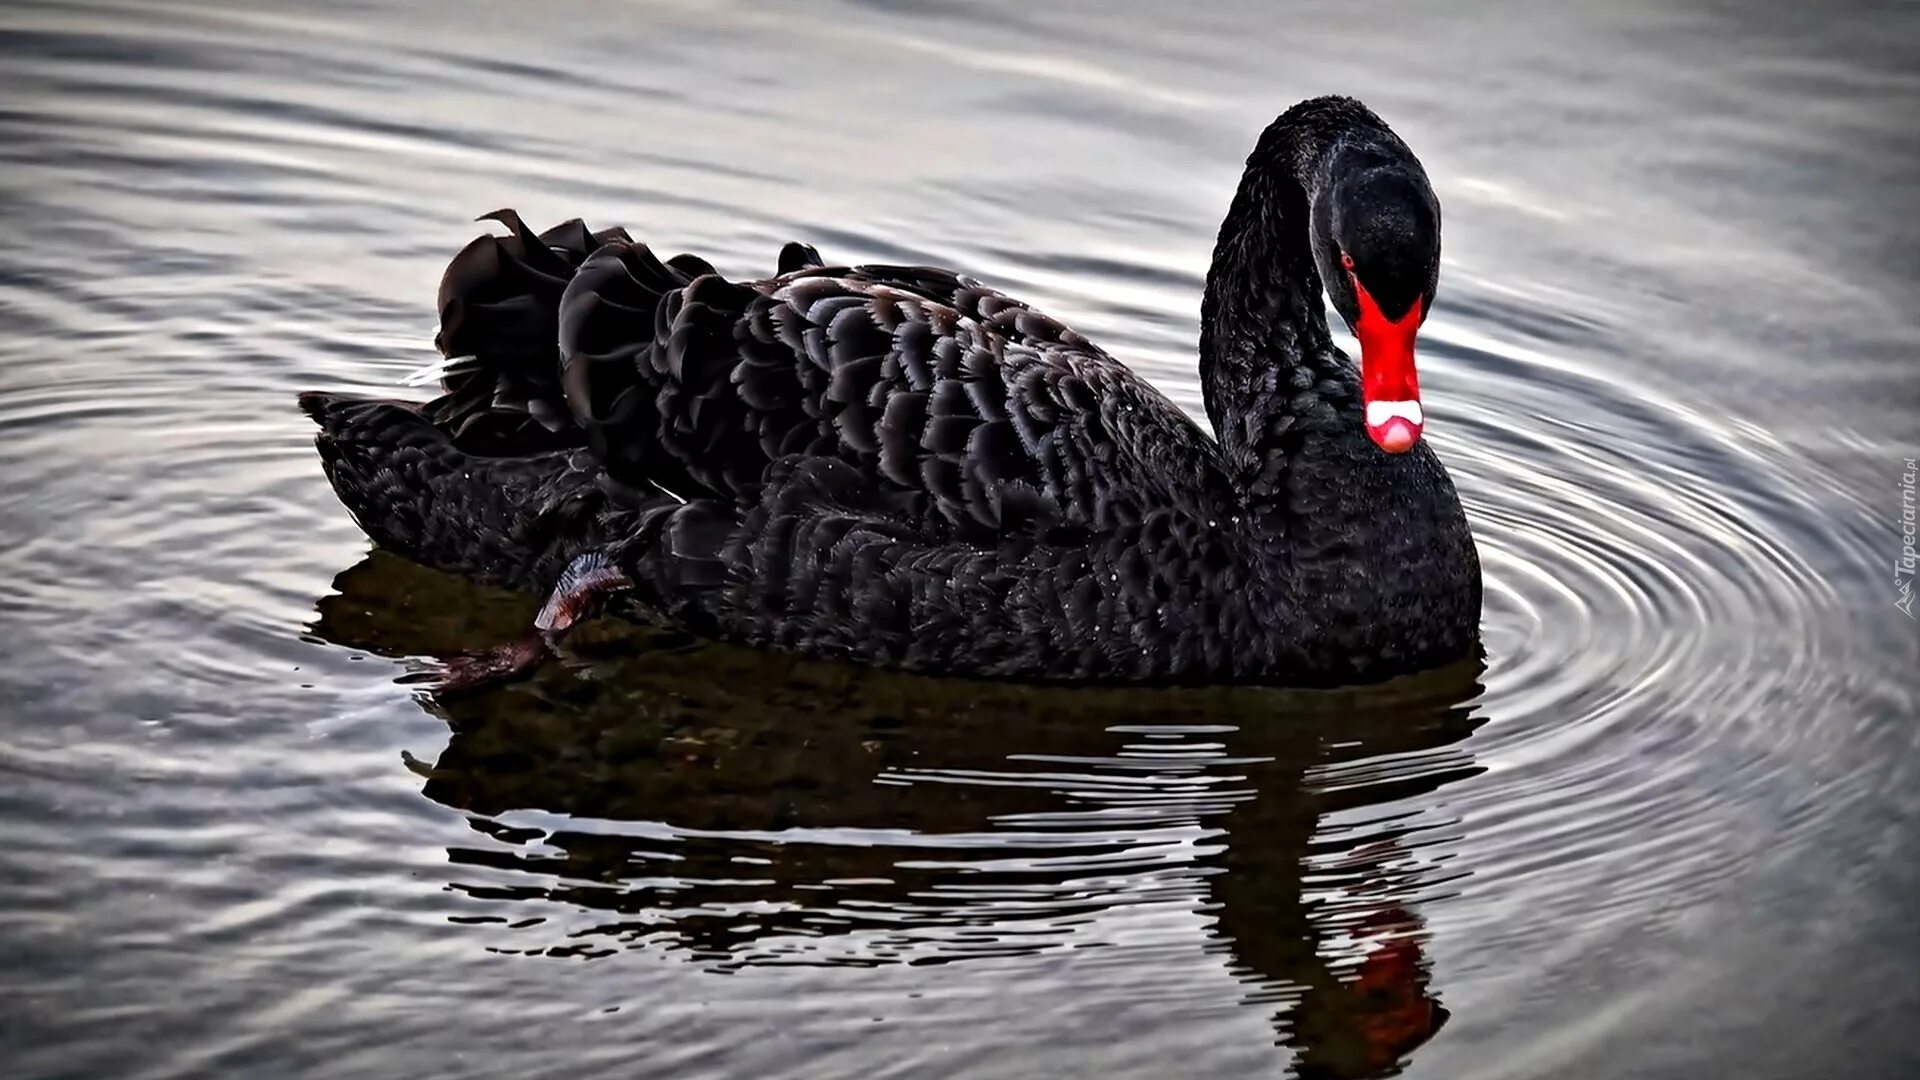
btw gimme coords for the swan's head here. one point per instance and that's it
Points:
(1376, 240)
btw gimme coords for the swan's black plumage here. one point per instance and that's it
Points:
(902, 466)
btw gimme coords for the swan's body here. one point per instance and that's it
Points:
(900, 466)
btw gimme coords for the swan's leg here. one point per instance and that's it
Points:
(582, 590)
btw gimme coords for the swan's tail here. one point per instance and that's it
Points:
(514, 521)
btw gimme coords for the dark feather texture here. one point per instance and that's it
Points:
(899, 465)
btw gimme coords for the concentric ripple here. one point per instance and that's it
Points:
(1658, 636)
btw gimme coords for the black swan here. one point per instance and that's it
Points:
(900, 466)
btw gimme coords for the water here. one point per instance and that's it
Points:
(1668, 830)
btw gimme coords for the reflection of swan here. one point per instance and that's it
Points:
(898, 465)
(752, 808)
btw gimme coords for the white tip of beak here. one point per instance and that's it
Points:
(1394, 426)
(1379, 412)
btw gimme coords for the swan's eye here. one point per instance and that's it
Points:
(1346, 260)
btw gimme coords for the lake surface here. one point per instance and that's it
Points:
(1668, 829)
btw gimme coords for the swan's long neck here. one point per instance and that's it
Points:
(1267, 367)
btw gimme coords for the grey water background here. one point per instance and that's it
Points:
(1669, 830)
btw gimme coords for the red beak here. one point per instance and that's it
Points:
(1388, 382)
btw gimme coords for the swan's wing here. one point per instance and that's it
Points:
(499, 309)
(499, 313)
(970, 407)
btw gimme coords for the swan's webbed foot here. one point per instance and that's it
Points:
(489, 667)
(581, 592)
